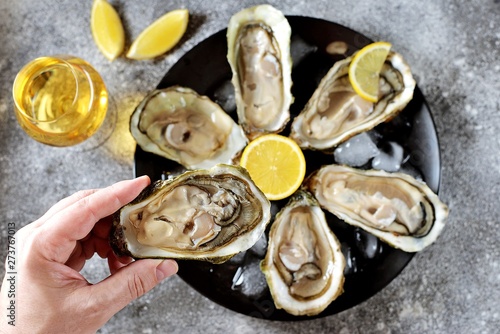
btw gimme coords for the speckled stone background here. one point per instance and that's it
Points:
(453, 48)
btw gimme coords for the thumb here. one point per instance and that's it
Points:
(129, 283)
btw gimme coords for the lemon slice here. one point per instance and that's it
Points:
(276, 165)
(107, 29)
(161, 36)
(364, 70)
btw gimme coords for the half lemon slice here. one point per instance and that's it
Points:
(365, 67)
(107, 29)
(276, 165)
(161, 36)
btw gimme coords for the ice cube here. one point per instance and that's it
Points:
(367, 244)
(249, 279)
(389, 160)
(357, 151)
(260, 247)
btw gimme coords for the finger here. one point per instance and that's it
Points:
(115, 263)
(103, 227)
(76, 263)
(125, 259)
(129, 283)
(77, 259)
(77, 220)
(94, 245)
(64, 203)
(89, 210)
(86, 249)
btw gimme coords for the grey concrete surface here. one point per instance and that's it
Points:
(453, 48)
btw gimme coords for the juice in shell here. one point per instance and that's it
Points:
(60, 100)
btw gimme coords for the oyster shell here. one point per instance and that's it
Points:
(181, 125)
(258, 41)
(395, 207)
(204, 214)
(304, 264)
(334, 113)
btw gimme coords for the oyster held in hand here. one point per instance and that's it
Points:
(204, 215)
(181, 125)
(304, 264)
(395, 207)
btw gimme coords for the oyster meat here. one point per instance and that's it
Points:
(395, 207)
(181, 125)
(304, 264)
(334, 113)
(258, 40)
(204, 214)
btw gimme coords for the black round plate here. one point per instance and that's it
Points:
(205, 69)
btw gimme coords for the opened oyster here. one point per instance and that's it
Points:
(335, 112)
(181, 125)
(304, 264)
(205, 214)
(258, 41)
(395, 207)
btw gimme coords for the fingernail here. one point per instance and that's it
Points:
(165, 269)
(143, 178)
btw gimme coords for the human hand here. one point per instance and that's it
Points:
(51, 294)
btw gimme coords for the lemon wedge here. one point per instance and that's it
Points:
(276, 165)
(364, 70)
(161, 36)
(107, 29)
